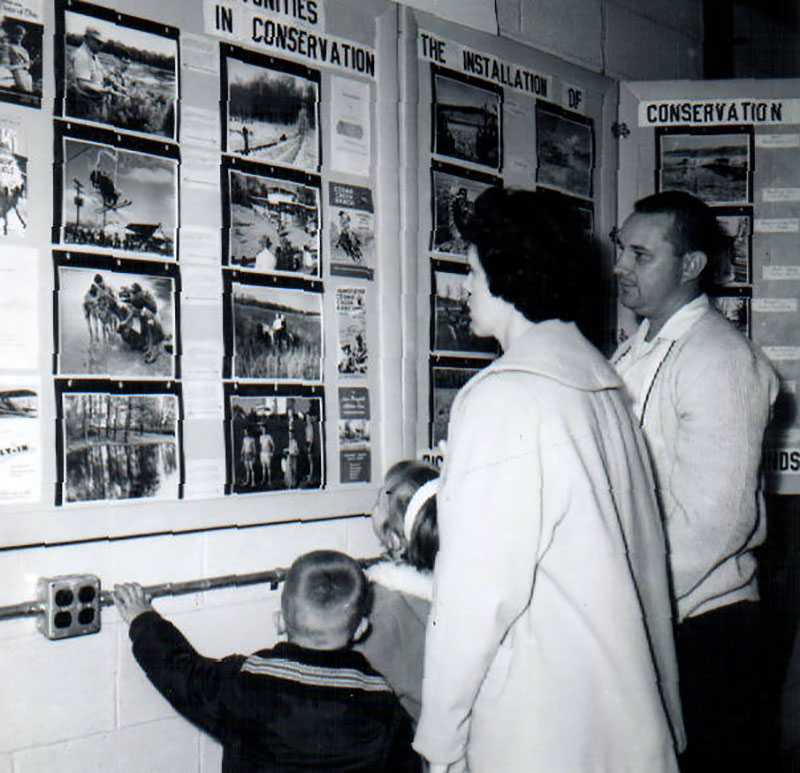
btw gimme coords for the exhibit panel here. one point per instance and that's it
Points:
(734, 144)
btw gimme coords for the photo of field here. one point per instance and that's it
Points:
(713, 167)
(274, 225)
(277, 333)
(467, 122)
(120, 76)
(273, 116)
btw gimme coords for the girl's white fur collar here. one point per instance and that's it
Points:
(404, 578)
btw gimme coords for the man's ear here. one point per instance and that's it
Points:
(280, 623)
(693, 264)
(361, 629)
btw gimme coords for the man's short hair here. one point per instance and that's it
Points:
(535, 252)
(327, 590)
(694, 228)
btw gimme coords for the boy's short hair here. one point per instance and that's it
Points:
(324, 592)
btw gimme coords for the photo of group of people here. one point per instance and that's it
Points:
(116, 217)
(275, 442)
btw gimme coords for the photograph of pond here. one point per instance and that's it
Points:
(119, 446)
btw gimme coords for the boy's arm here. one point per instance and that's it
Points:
(190, 682)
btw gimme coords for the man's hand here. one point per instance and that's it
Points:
(130, 600)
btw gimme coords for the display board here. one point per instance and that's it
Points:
(192, 316)
(736, 145)
(487, 112)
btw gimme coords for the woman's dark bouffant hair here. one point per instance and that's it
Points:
(534, 251)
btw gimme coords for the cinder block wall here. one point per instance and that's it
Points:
(82, 704)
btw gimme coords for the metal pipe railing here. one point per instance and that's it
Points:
(272, 576)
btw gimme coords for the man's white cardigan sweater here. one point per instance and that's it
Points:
(705, 408)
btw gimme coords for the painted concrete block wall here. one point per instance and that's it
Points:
(624, 39)
(83, 704)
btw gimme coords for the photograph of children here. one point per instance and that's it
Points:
(735, 308)
(351, 314)
(713, 166)
(121, 74)
(120, 446)
(450, 317)
(564, 150)
(454, 192)
(736, 265)
(466, 119)
(21, 62)
(272, 114)
(276, 443)
(13, 184)
(277, 333)
(117, 199)
(352, 230)
(115, 323)
(445, 383)
(274, 225)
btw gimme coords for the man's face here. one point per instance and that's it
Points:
(649, 272)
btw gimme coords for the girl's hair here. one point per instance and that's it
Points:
(402, 480)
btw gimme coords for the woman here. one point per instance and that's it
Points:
(549, 645)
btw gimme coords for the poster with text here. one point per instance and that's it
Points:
(351, 314)
(352, 230)
(20, 439)
(355, 455)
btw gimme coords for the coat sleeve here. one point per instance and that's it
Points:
(489, 511)
(191, 683)
(722, 405)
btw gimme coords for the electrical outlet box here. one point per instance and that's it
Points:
(70, 605)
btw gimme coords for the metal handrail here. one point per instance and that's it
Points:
(272, 576)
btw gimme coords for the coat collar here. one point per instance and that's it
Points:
(558, 350)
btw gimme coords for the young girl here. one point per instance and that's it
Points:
(404, 520)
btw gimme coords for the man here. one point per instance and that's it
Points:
(90, 81)
(702, 393)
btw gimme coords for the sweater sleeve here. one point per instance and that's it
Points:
(489, 513)
(722, 404)
(191, 683)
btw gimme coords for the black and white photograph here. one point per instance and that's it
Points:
(21, 61)
(275, 333)
(272, 110)
(564, 150)
(450, 317)
(454, 191)
(275, 443)
(737, 223)
(735, 308)
(351, 315)
(714, 166)
(444, 385)
(13, 183)
(120, 72)
(116, 198)
(273, 224)
(115, 322)
(467, 117)
(118, 446)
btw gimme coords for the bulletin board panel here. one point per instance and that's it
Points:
(487, 111)
(200, 282)
(736, 145)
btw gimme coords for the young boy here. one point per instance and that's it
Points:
(309, 703)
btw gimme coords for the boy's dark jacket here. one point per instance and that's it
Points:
(282, 709)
